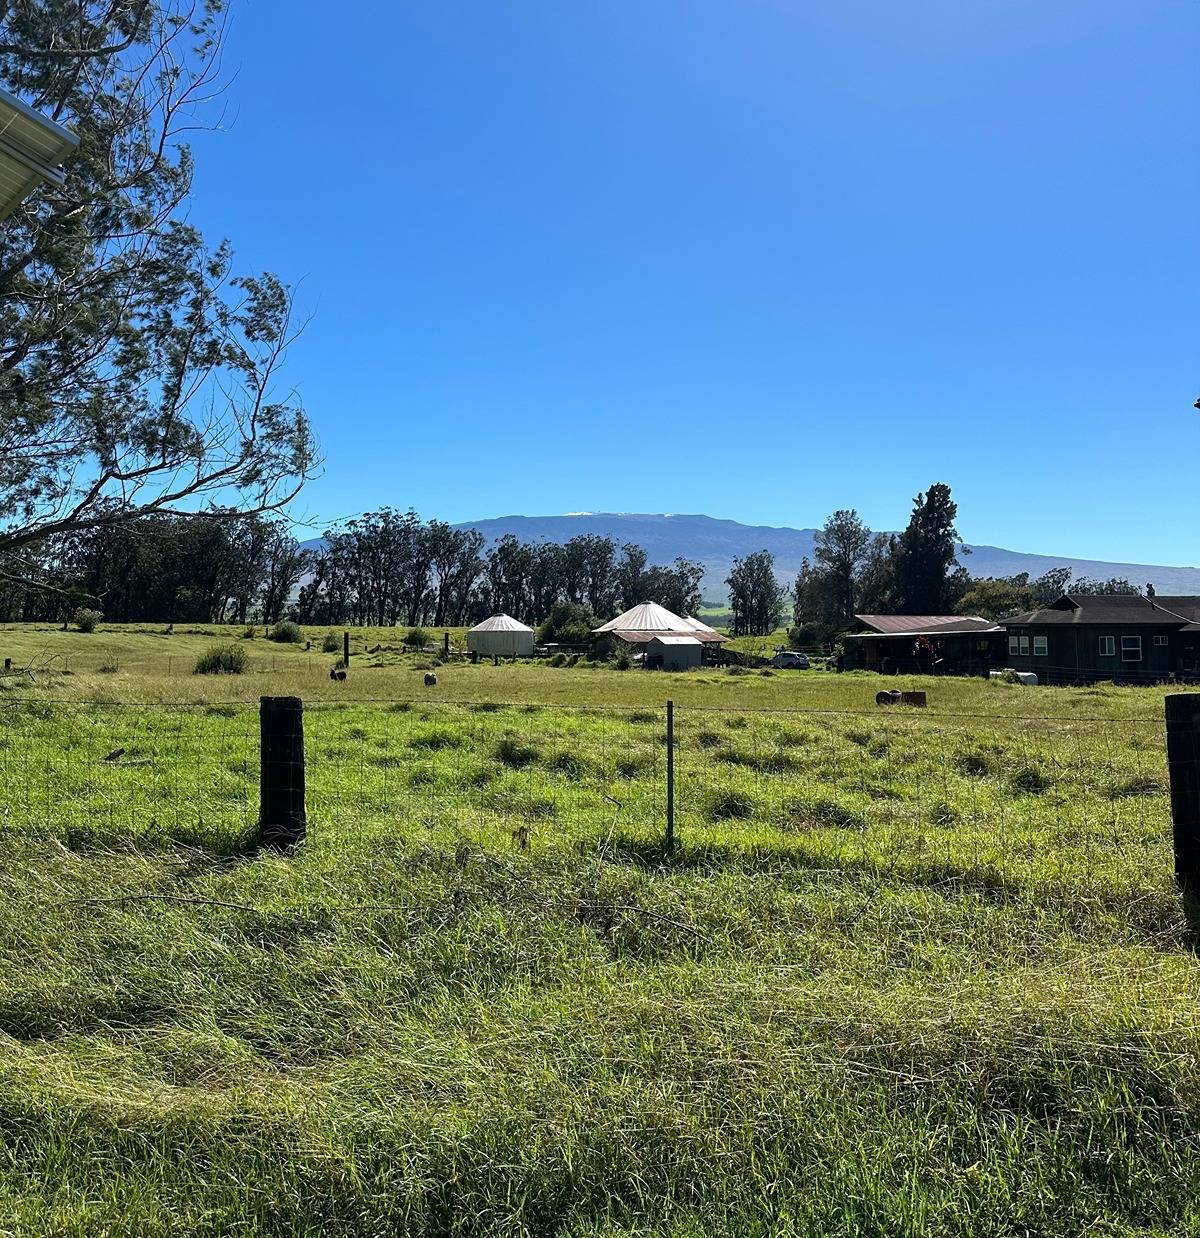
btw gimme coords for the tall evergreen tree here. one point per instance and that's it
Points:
(926, 556)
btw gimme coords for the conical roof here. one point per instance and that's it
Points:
(697, 626)
(501, 623)
(646, 617)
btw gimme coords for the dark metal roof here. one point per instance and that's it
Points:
(921, 625)
(1120, 609)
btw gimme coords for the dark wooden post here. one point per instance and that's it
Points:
(281, 817)
(1183, 765)
(670, 775)
(346, 650)
(445, 644)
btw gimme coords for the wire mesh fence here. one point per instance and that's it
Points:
(998, 803)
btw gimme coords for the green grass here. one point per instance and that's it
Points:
(907, 973)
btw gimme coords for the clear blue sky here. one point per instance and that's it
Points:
(757, 259)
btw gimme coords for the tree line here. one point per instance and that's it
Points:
(388, 567)
(163, 568)
(381, 568)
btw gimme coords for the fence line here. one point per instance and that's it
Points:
(1002, 804)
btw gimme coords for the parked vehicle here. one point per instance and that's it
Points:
(790, 660)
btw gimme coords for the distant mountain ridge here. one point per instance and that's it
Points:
(716, 543)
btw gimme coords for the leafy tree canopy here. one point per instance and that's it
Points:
(139, 371)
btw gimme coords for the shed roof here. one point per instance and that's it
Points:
(31, 149)
(923, 625)
(1123, 609)
(501, 623)
(672, 639)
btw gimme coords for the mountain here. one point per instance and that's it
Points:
(716, 543)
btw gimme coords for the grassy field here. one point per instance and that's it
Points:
(905, 973)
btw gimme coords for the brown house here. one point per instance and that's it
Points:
(924, 644)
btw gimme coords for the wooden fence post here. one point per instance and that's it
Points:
(346, 650)
(281, 817)
(445, 645)
(670, 776)
(1183, 765)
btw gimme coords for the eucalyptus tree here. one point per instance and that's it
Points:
(139, 369)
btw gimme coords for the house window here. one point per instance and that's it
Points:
(1013, 647)
(1108, 646)
(1131, 648)
(1162, 641)
(1024, 646)
(1040, 649)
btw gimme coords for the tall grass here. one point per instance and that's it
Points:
(929, 977)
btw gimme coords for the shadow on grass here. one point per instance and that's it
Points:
(653, 854)
(987, 882)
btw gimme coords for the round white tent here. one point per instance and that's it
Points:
(502, 635)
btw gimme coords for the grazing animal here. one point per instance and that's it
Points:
(337, 673)
(430, 680)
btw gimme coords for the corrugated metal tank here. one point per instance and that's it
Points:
(501, 635)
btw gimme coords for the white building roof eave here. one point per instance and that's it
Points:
(32, 150)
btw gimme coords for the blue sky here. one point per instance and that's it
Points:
(759, 260)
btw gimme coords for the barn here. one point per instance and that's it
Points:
(924, 644)
(669, 641)
(502, 636)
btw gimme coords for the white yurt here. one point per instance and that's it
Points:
(502, 635)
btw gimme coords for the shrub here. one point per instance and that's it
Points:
(286, 633)
(108, 668)
(558, 659)
(221, 660)
(622, 662)
(569, 623)
(249, 632)
(573, 660)
(85, 619)
(330, 643)
(415, 638)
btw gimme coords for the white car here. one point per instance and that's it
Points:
(790, 660)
